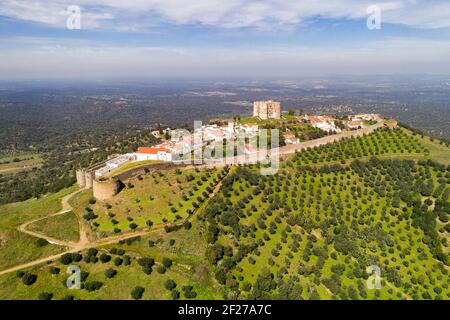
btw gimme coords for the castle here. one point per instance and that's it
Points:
(267, 109)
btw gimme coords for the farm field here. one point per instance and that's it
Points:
(13, 163)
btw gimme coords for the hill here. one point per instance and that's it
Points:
(315, 230)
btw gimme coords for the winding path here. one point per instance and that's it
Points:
(84, 242)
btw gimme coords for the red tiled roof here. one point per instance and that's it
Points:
(153, 150)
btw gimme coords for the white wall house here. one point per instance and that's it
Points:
(154, 153)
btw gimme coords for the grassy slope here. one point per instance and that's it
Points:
(17, 247)
(79, 202)
(150, 198)
(438, 152)
(62, 227)
(187, 269)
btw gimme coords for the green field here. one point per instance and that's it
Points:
(62, 227)
(17, 247)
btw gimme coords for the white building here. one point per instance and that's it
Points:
(153, 153)
(354, 124)
(114, 164)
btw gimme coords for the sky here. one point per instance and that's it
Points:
(222, 38)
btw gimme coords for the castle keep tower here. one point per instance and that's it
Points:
(267, 109)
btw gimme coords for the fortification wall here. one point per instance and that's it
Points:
(81, 178)
(104, 190)
(151, 167)
(89, 178)
(391, 123)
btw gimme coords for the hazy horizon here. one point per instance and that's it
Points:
(212, 39)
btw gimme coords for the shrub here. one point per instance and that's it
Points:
(41, 242)
(161, 269)
(167, 262)
(54, 270)
(137, 293)
(92, 252)
(126, 261)
(76, 257)
(118, 261)
(45, 296)
(68, 297)
(66, 259)
(147, 270)
(28, 279)
(20, 274)
(110, 273)
(133, 226)
(170, 284)
(175, 295)
(93, 285)
(171, 242)
(84, 275)
(189, 293)
(149, 262)
(104, 258)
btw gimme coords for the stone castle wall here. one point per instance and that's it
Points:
(81, 178)
(267, 109)
(104, 190)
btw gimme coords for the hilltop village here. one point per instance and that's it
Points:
(177, 144)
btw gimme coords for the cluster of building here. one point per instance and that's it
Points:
(183, 142)
(328, 123)
(181, 145)
(325, 123)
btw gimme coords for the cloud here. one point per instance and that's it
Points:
(65, 59)
(260, 14)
